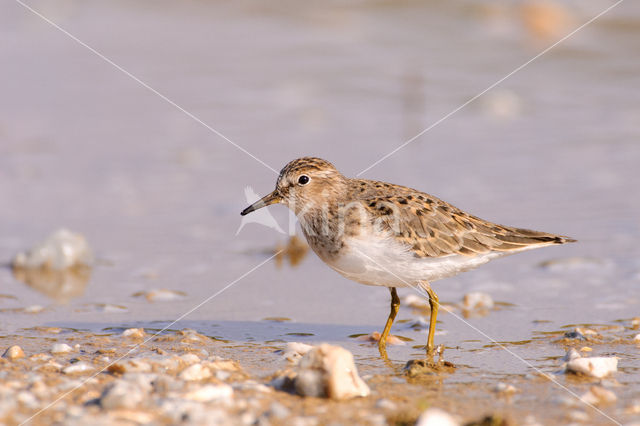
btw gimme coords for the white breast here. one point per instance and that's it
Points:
(386, 262)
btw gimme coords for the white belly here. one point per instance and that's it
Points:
(386, 262)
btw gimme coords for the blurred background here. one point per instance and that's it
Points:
(157, 194)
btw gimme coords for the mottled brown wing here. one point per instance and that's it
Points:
(434, 228)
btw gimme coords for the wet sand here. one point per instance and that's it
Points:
(158, 196)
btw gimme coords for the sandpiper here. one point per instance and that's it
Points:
(382, 234)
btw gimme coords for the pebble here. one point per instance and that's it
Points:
(78, 367)
(436, 417)
(61, 250)
(293, 351)
(416, 302)
(329, 370)
(130, 366)
(164, 384)
(505, 388)
(130, 416)
(60, 348)
(190, 359)
(209, 393)
(597, 367)
(578, 416)
(32, 309)
(597, 395)
(193, 336)
(107, 307)
(134, 333)
(27, 399)
(386, 404)
(161, 295)
(571, 354)
(310, 383)
(14, 352)
(252, 385)
(636, 338)
(223, 365)
(195, 372)
(502, 104)
(580, 333)
(279, 411)
(477, 300)
(121, 394)
(375, 337)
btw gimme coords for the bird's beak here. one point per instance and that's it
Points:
(265, 201)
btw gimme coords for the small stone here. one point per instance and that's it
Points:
(134, 333)
(505, 388)
(597, 367)
(195, 372)
(107, 307)
(164, 384)
(130, 366)
(210, 393)
(571, 354)
(375, 337)
(436, 417)
(574, 335)
(477, 300)
(78, 367)
(304, 421)
(586, 331)
(386, 404)
(578, 416)
(40, 357)
(598, 395)
(61, 250)
(27, 399)
(330, 368)
(60, 348)
(121, 394)
(416, 302)
(49, 367)
(193, 336)
(223, 365)
(184, 411)
(293, 351)
(40, 389)
(636, 338)
(33, 309)
(279, 411)
(252, 385)
(190, 358)
(161, 295)
(14, 352)
(131, 417)
(310, 383)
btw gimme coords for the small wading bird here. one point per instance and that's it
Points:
(389, 235)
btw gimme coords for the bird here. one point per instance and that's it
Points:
(382, 234)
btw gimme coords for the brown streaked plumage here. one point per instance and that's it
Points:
(377, 233)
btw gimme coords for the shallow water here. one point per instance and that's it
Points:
(158, 195)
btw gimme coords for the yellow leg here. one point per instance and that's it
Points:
(395, 307)
(433, 301)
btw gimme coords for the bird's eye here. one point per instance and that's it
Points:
(303, 180)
